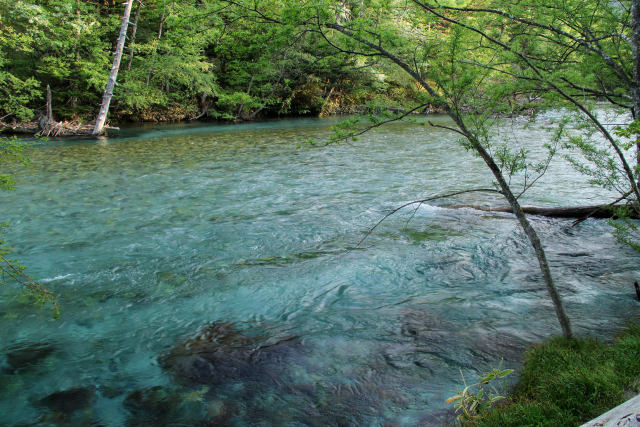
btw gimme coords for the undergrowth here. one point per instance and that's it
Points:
(569, 382)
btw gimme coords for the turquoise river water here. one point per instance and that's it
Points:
(209, 275)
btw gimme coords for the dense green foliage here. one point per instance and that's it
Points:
(182, 60)
(568, 382)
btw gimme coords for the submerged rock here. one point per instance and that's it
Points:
(489, 347)
(261, 379)
(165, 406)
(152, 403)
(110, 390)
(220, 353)
(443, 417)
(70, 400)
(217, 409)
(23, 357)
(220, 411)
(428, 342)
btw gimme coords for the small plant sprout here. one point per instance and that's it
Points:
(477, 397)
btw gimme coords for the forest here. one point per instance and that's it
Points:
(182, 61)
(534, 104)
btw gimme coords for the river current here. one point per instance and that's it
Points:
(240, 234)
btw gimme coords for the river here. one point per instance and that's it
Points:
(243, 234)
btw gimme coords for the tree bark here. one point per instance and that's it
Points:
(161, 24)
(49, 107)
(108, 92)
(46, 123)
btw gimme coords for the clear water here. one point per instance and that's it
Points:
(152, 236)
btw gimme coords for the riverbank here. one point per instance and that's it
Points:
(569, 382)
(84, 127)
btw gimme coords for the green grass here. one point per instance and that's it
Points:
(569, 382)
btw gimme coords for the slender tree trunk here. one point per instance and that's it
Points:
(531, 233)
(161, 24)
(133, 36)
(108, 92)
(50, 120)
(635, 89)
(45, 121)
(491, 164)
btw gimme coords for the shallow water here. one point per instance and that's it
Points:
(149, 237)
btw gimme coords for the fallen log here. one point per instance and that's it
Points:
(593, 211)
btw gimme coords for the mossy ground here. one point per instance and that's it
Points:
(569, 382)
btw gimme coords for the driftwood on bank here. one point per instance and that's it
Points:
(53, 129)
(46, 126)
(73, 128)
(593, 211)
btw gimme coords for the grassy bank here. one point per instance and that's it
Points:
(569, 382)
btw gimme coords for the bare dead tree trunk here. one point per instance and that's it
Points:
(326, 102)
(45, 121)
(49, 107)
(108, 92)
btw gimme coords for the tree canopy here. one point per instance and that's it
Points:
(182, 60)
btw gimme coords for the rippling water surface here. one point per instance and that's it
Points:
(239, 235)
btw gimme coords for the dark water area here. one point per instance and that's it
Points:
(209, 275)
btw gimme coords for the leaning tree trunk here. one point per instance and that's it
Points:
(491, 164)
(108, 92)
(528, 229)
(535, 242)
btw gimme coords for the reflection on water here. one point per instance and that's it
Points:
(208, 274)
